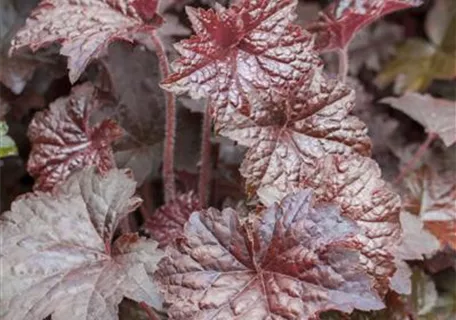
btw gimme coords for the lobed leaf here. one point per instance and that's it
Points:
(252, 45)
(341, 20)
(288, 136)
(57, 257)
(63, 141)
(85, 28)
(292, 261)
(167, 222)
(355, 184)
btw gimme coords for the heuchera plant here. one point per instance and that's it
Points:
(318, 228)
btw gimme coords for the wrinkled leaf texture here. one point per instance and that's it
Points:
(167, 222)
(287, 137)
(355, 184)
(85, 28)
(341, 20)
(251, 46)
(63, 141)
(292, 261)
(56, 252)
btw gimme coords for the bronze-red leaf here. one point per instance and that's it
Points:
(292, 261)
(63, 140)
(85, 28)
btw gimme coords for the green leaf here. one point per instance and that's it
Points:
(7, 145)
(419, 62)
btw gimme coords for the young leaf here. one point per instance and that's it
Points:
(355, 184)
(436, 115)
(288, 136)
(292, 261)
(85, 28)
(57, 257)
(252, 45)
(418, 62)
(433, 197)
(62, 139)
(7, 145)
(342, 19)
(167, 222)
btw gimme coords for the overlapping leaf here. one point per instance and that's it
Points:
(418, 62)
(167, 222)
(85, 28)
(415, 243)
(373, 46)
(62, 139)
(132, 76)
(433, 197)
(290, 135)
(342, 19)
(436, 115)
(292, 261)
(57, 257)
(250, 46)
(355, 184)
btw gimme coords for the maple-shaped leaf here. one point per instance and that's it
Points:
(85, 28)
(433, 198)
(290, 135)
(341, 20)
(291, 261)
(436, 115)
(252, 45)
(355, 184)
(167, 222)
(62, 139)
(57, 257)
(418, 62)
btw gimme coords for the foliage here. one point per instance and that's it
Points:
(319, 206)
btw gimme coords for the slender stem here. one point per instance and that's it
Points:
(170, 131)
(205, 167)
(150, 313)
(405, 170)
(343, 64)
